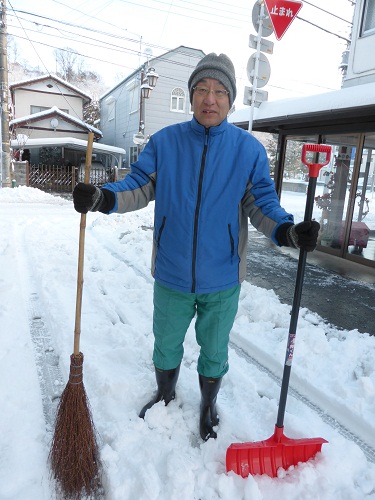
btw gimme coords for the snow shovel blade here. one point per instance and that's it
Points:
(266, 457)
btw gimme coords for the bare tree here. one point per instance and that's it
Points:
(70, 67)
(12, 49)
(18, 68)
(69, 63)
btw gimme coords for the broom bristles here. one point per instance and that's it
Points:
(74, 455)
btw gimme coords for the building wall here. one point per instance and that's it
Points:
(43, 129)
(38, 94)
(174, 69)
(361, 62)
(116, 116)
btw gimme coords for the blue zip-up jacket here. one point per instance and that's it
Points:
(206, 183)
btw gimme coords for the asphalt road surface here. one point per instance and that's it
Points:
(341, 301)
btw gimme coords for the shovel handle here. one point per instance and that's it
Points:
(313, 174)
(314, 167)
(81, 249)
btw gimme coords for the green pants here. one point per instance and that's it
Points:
(173, 313)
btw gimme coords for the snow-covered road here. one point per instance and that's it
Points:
(162, 457)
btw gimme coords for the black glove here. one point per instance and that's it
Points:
(303, 235)
(87, 197)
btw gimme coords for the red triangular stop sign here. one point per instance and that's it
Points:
(282, 13)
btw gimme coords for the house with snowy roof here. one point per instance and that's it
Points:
(47, 124)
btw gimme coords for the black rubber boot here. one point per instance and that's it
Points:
(208, 415)
(166, 381)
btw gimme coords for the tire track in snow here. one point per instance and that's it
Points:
(47, 361)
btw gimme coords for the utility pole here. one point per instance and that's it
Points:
(5, 144)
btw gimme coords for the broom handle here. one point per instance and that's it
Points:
(81, 251)
(295, 309)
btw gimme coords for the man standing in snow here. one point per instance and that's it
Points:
(208, 178)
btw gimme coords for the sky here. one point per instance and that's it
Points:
(305, 61)
(332, 387)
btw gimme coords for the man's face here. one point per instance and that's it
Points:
(210, 110)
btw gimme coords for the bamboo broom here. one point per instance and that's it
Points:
(74, 455)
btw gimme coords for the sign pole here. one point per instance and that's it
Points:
(256, 69)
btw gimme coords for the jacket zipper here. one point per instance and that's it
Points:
(197, 208)
(231, 242)
(160, 231)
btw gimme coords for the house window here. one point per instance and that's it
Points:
(178, 100)
(368, 21)
(111, 107)
(133, 89)
(133, 154)
(38, 109)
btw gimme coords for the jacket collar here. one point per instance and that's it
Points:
(197, 127)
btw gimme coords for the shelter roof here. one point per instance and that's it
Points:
(352, 106)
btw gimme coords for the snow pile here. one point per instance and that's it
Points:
(163, 457)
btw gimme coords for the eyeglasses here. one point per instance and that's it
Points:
(203, 92)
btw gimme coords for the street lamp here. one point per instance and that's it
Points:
(148, 82)
(146, 90)
(152, 77)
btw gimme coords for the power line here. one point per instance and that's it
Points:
(105, 45)
(323, 29)
(327, 12)
(100, 32)
(108, 62)
(62, 94)
(210, 14)
(65, 23)
(69, 50)
(92, 17)
(137, 41)
(174, 13)
(212, 11)
(26, 35)
(102, 44)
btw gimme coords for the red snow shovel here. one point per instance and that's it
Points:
(266, 457)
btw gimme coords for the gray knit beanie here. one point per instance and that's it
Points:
(218, 67)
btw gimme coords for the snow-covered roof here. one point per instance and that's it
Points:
(51, 77)
(54, 111)
(351, 98)
(69, 142)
